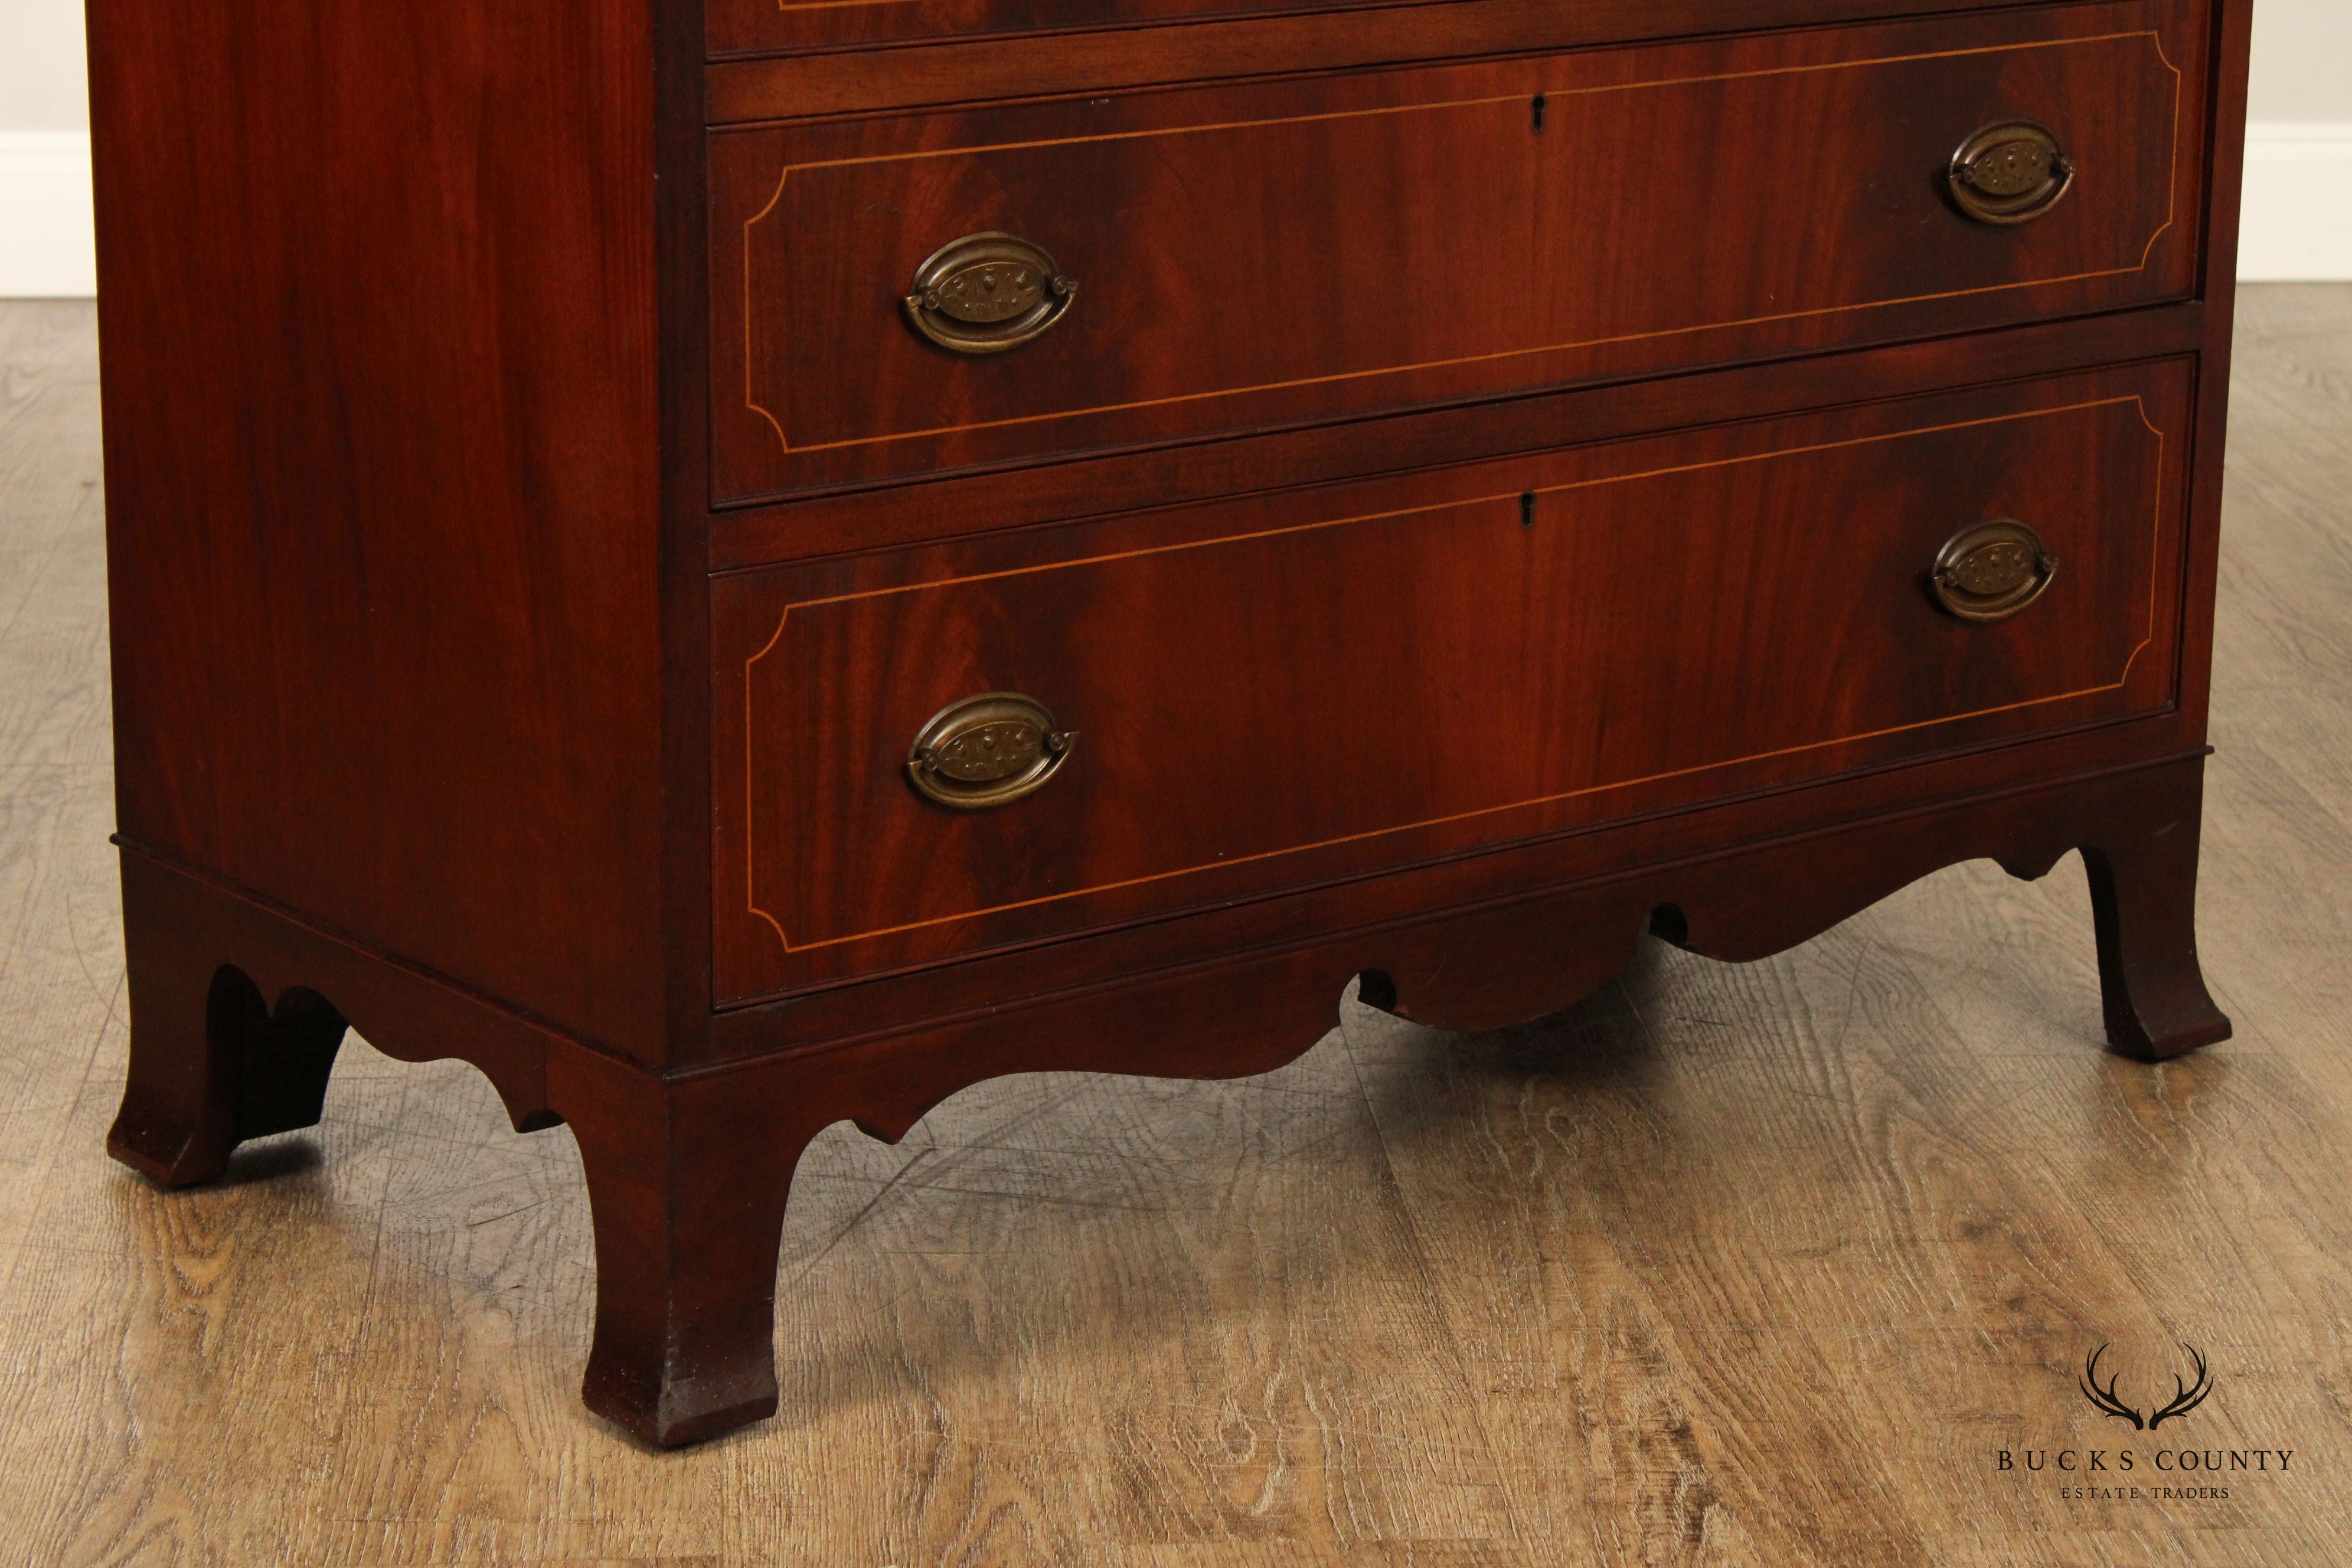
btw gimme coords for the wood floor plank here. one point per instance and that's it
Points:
(1159, 1384)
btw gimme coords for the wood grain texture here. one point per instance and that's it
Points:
(372, 554)
(983, 501)
(1275, 692)
(380, 347)
(1730, 1264)
(958, 69)
(1305, 249)
(689, 1173)
(755, 24)
(1201, 35)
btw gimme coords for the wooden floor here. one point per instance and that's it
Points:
(1759, 1265)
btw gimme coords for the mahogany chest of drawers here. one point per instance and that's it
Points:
(750, 563)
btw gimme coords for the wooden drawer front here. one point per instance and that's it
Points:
(1327, 248)
(749, 26)
(783, 26)
(1282, 690)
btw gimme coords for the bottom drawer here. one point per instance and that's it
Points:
(1272, 692)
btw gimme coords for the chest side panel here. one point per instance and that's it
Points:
(378, 341)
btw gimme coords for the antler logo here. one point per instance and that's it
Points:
(2185, 1397)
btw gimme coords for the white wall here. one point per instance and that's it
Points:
(42, 83)
(2298, 161)
(2298, 221)
(2303, 60)
(45, 248)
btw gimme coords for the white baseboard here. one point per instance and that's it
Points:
(2298, 214)
(46, 249)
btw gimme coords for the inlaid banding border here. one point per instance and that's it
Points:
(2172, 195)
(2155, 580)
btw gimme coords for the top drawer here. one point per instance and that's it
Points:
(781, 26)
(750, 26)
(1281, 253)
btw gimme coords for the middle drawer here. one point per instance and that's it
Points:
(1287, 252)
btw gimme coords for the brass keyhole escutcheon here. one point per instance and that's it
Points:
(987, 750)
(987, 293)
(1992, 571)
(2011, 173)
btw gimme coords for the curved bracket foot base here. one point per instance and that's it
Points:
(2144, 902)
(689, 1171)
(216, 1061)
(236, 1069)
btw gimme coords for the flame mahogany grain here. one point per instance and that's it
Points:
(1242, 262)
(429, 639)
(1670, 620)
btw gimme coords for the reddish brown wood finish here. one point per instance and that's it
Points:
(988, 501)
(2144, 904)
(1284, 690)
(1103, 26)
(1243, 260)
(381, 453)
(688, 1183)
(689, 1174)
(749, 26)
(425, 713)
(1240, 43)
(2226, 145)
(233, 1033)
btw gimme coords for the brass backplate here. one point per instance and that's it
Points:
(2010, 173)
(987, 293)
(987, 750)
(1990, 571)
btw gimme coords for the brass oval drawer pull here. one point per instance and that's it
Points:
(2011, 173)
(1992, 571)
(986, 293)
(987, 750)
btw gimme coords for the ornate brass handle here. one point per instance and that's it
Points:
(987, 293)
(987, 750)
(2010, 173)
(1992, 571)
